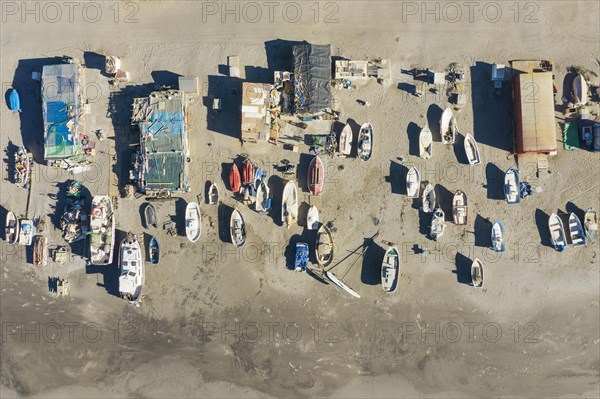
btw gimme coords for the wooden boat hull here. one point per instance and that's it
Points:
(193, 222)
(498, 237)
(428, 199)
(591, 225)
(390, 270)
(576, 232)
(557, 232)
(425, 143)
(316, 176)
(324, 247)
(235, 180)
(413, 183)
(289, 204)
(460, 211)
(237, 229)
(472, 150)
(11, 228)
(345, 141)
(40, 251)
(312, 218)
(511, 186)
(477, 274)
(365, 142)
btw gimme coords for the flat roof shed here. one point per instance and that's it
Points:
(535, 126)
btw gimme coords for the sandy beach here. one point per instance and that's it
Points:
(216, 321)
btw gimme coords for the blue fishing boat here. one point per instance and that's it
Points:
(301, 260)
(14, 101)
(154, 249)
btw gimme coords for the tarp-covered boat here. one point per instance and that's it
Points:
(301, 259)
(14, 101)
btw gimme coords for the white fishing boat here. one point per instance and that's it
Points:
(262, 197)
(425, 143)
(576, 231)
(11, 228)
(365, 142)
(413, 182)
(460, 212)
(26, 232)
(428, 199)
(580, 90)
(438, 224)
(346, 140)
(213, 194)
(312, 218)
(237, 228)
(340, 284)
(131, 269)
(591, 224)
(472, 150)
(102, 231)
(477, 273)
(511, 186)
(324, 246)
(498, 237)
(448, 127)
(289, 204)
(557, 232)
(390, 270)
(193, 222)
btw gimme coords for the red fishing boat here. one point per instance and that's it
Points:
(316, 176)
(234, 179)
(248, 173)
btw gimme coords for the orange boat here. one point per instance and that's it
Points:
(248, 173)
(234, 179)
(316, 176)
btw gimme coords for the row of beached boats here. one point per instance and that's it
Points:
(448, 131)
(364, 147)
(578, 234)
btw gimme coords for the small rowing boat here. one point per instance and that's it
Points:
(213, 194)
(425, 143)
(316, 176)
(150, 218)
(346, 140)
(193, 222)
(437, 224)
(235, 180)
(289, 204)
(511, 186)
(11, 228)
(312, 218)
(448, 127)
(498, 238)
(413, 182)
(557, 232)
(477, 273)
(154, 250)
(472, 150)
(390, 270)
(324, 246)
(237, 228)
(576, 231)
(460, 211)
(428, 199)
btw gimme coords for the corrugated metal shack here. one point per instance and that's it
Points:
(161, 165)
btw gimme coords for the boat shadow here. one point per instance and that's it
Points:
(494, 178)
(463, 269)
(443, 198)
(397, 177)
(276, 185)
(483, 232)
(413, 131)
(371, 263)
(224, 217)
(541, 221)
(572, 208)
(355, 126)
(434, 114)
(302, 172)
(179, 217)
(459, 149)
(9, 161)
(425, 223)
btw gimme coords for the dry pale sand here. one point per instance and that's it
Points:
(195, 334)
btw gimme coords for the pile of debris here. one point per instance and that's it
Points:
(73, 221)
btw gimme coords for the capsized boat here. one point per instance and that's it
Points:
(346, 140)
(154, 251)
(235, 180)
(498, 238)
(390, 270)
(131, 269)
(316, 176)
(14, 101)
(150, 218)
(472, 150)
(511, 186)
(26, 232)
(247, 172)
(262, 198)
(102, 231)
(365, 142)
(580, 90)
(428, 199)
(425, 143)
(40, 251)
(557, 232)
(237, 228)
(213, 194)
(193, 222)
(301, 259)
(576, 231)
(413, 182)
(477, 273)
(11, 228)
(289, 204)
(437, 224)
(22, 170)
(591, 224)
(340, 284)
(460, 211)
(448, 127)
(312, 218)
(324, 246)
